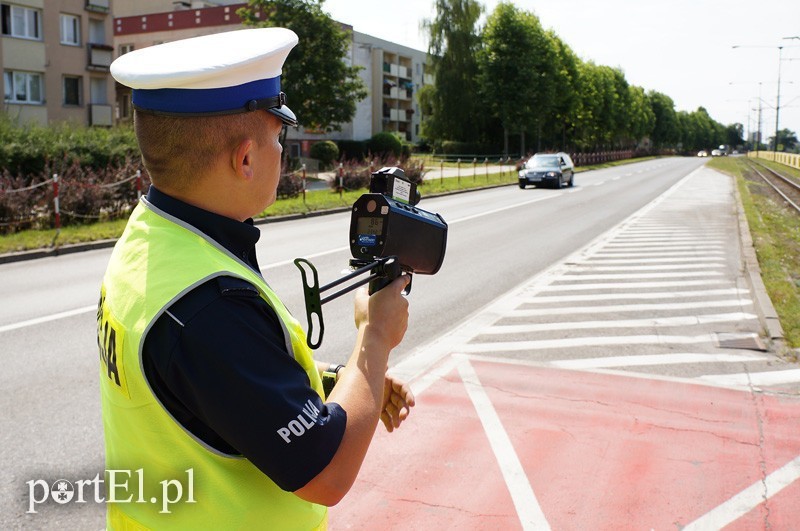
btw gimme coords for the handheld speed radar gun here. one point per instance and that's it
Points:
(389, 236)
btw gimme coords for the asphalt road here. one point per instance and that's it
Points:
(498, 238)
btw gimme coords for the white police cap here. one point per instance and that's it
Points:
(223, 73)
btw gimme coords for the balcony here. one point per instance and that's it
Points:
(101, 115)
(98, 6)
(398, 115)
(100, 57)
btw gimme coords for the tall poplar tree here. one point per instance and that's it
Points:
(455, 109)
(518, 68)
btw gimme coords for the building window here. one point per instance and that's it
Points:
(22, 22)
(125, 106)
(97, 91)
(97, 31)
(23, 87)
(125, 48)
(72, 90)
(70, 30)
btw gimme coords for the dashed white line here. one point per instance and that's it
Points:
(48, 318)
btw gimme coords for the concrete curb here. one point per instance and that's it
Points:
(763, 304)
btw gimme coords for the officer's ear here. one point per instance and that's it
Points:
(242, 159)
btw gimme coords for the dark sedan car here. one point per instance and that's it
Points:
(553, 169)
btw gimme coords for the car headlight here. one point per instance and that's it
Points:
(552, 174)
(523, 173)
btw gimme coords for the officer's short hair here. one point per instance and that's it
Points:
(178, 150)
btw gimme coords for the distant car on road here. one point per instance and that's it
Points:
(717, 153)
(702, 153)
(554, 169)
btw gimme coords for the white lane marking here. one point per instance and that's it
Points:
(636, 296)
(501, 209)
(688, 320)
(678, 274)
(643, 247)
(48, 318)
(78, 311)
(678, 259)
(663, 267)
(656, 254)
(527, 506)
(748, 499)
(613, 308)
(574, 286)
(654, 359)
(755, 378)
(573, 342)
(307, 257)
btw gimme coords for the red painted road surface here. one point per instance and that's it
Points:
(598, 451)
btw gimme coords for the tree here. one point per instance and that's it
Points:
(641, 117)
(567, 99)
(453, 100)
(734, 135)
(517, 70)
(787, 140)
(322, 89)
(665, 129)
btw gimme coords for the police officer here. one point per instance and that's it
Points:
(202, 366)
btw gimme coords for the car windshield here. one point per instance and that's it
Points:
(542, 162)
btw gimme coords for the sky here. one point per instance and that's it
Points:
(682, 48)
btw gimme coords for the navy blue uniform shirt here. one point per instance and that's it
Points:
(217, 361)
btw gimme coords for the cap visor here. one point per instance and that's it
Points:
(285, 114)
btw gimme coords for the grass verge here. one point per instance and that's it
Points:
(775, 229)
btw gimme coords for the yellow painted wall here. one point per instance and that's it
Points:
(789, 159)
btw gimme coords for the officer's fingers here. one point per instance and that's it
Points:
(387, 421)
(400, 283)
(401, 405)
(404, 390)
(395, 414)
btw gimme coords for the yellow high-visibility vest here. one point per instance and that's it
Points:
(156, 261)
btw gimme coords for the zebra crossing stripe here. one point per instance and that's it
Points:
(654, 359)
(613, 308)
(637, 296)
(689, 320)
(637, 285)
(573, 342)
(755, 378)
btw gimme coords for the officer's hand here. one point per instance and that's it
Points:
(397, 403)
(386, 311)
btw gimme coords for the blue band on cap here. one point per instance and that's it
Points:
(173, 100)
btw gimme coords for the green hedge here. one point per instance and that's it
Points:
(26, 150)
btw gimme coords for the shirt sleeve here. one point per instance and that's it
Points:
(224, 362)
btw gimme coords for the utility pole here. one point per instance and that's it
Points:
(778, 98)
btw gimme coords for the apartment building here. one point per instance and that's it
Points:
(55, 57)
(391, 72)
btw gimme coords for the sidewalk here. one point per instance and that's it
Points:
(649, 423)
